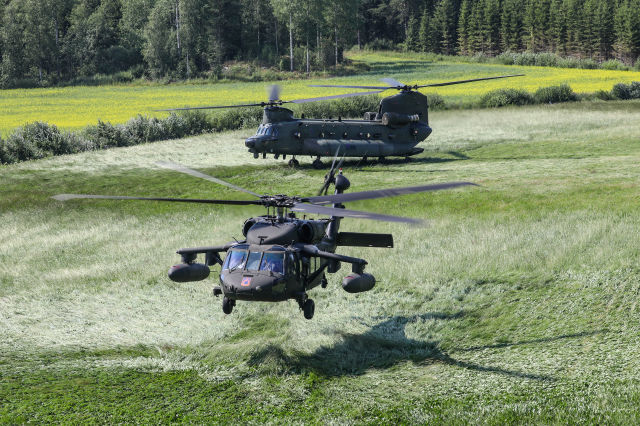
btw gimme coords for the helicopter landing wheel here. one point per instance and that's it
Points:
(308, 309)
(317, 163)
(227, 305)
(324, 282)
(294, 163)
(382, 160)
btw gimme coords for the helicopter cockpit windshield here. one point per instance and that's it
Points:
(266, 130)
(235, 259)
(244, 259)
(273, 262)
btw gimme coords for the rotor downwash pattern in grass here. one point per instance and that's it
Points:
(518, 304)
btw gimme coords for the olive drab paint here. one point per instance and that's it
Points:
(401, 123)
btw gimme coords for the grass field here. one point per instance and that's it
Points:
(75, 107)
(519, 303)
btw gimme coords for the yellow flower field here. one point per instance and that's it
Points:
(74, 107)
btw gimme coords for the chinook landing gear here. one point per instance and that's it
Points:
(317, 163)
(307, 305)
(227, 305)
(293, 162)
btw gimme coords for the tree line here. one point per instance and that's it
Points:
(51, 41)
(595, 29)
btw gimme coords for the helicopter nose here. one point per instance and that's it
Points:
(250, 143)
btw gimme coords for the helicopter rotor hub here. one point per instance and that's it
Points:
(284, 201)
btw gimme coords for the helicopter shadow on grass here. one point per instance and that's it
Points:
(381, 347)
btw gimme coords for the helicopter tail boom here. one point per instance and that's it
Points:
(359, 239)
(311, 250)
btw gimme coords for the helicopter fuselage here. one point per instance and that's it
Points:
(270, 265)
(400, 123)
(286, 274)
(282, 258)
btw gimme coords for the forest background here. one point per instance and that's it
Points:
(49, 42)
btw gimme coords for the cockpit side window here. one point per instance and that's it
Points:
(273, 262)
(253, 262)
(235, 259)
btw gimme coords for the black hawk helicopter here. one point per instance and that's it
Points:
(401, 122)
(282, 256)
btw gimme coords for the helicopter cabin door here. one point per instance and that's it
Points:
(293, 266)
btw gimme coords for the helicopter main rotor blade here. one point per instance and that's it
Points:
(315, 209)
(352, 87)
(182, 169)
(382, 193)
(67, 197)
(274, 99)
(450, 83)
(326, 98)
(261, 104)
(392, 82)
(401, 86)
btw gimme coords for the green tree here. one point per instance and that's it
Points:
(424, 33)
(135, 16)
(512, 25)
(491, 27)
(411, 41)
(536, 24)
(627, 29)
(15, 44)
(575, 26)
(339, 15)
(476, 36)
(590, 43)
(605, 23)
(558, 26)
(104, 38)
(161, 48)
(463, 27)
(445, 23)
(284, 11)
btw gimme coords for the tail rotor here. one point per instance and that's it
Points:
(330, 177)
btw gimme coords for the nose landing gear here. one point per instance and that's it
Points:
(227, 305)
(307, 305)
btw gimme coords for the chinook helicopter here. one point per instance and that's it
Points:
(283, 256)
(401, 122)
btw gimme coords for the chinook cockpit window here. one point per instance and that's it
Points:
(273, 262)
(235, 259)
(266, 130)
